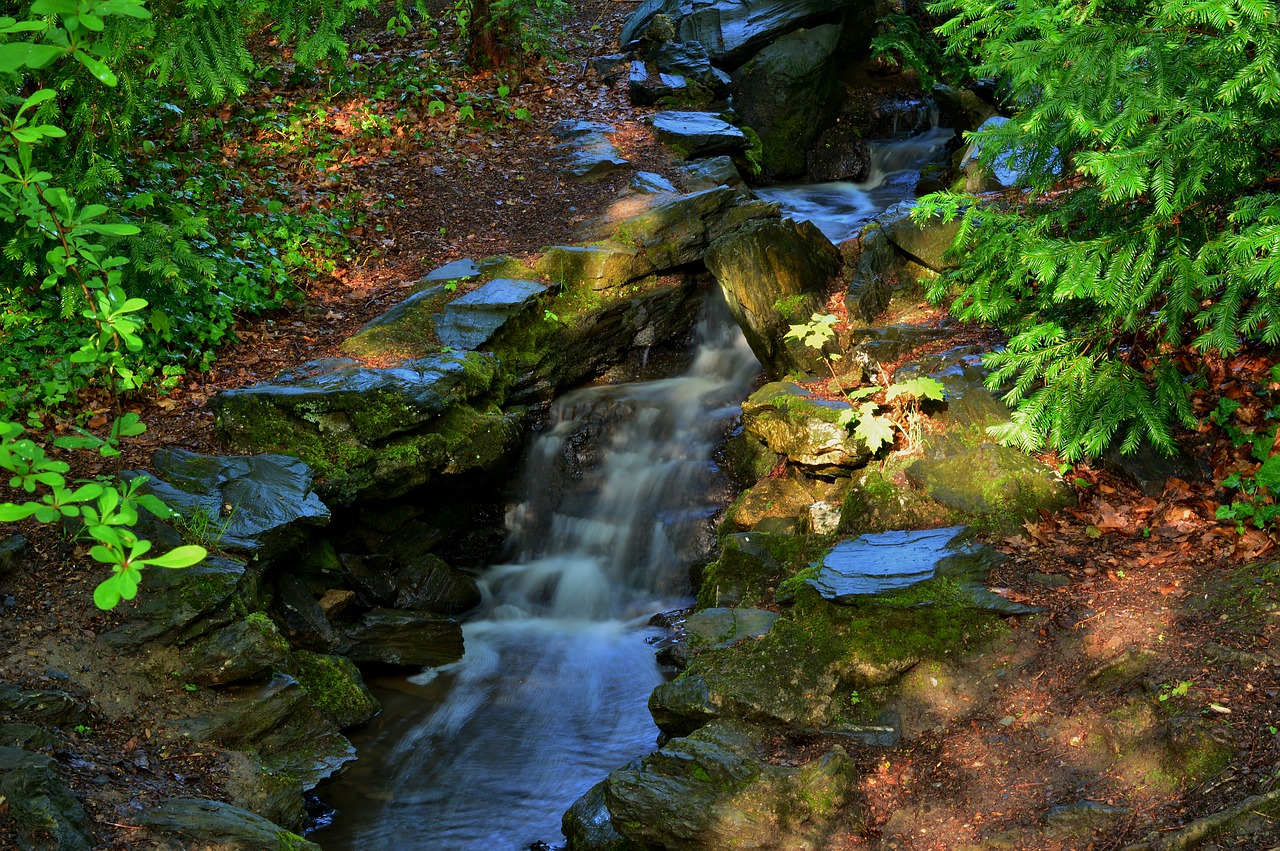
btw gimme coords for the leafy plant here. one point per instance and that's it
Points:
(76, 263)
(1256, 498)
(1180, 690)
(1146, 215)
(816, 333)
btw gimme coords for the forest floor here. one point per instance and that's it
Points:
(1148, 600)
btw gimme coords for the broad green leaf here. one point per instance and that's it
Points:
(18, 54)
(11, 512)
(875, 431)
(183, 556)
(106, 596)
(97, 68)
(1268, 475)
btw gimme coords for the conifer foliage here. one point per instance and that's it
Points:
(1147, 222)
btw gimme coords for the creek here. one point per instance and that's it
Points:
(615, 505)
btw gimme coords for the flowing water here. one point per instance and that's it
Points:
(840, 209)
(551, 695)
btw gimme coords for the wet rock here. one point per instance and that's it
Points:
(877, 275)
(42, 706)
(427, 584)
(839, 153)
(731, 30)
(393, 637)
(716, 789)
(698, 134)
(805, 428)
(13, 552)
(44, 812)
(889, 344)
(767, 264)
(650, 183)
(711, 173)
(589, 827)
(748, 461)
(177, 606)
(26, 736)
(787, 93)
(590, 156)
(195, 821)
(1082, 819)
(335, 687)
(675, 233)
(244, 650)
(926, 242)
(647, 86)
(371, 577)
(992, 480)
(301, 616)
(471, 320)
(940, 567)
(280, 724)
(260, 505)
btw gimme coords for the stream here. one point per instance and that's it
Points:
(486, 754)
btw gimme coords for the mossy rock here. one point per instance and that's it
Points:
(748, 459)
(872, 502)
(992, 480)
(800, 673)
(784, 498)
(246, 649)
(750, 568)
(806, 429)
(718, 789)
(335, 687)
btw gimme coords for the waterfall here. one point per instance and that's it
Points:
(485, 754)
(840, 209)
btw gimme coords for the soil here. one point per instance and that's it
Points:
(1121, 574)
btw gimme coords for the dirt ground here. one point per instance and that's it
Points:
(1003, 737)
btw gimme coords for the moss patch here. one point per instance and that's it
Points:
(335, 687)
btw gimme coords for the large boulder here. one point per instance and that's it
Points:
(259, 505)
(787, 93)
(926, 242)
(772, 264)
(375, 430)
(391, 637)
(805, 428)
(718, 789)
(731, 30)
(992, 480)
(698, 134)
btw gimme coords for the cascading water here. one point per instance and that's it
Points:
(840, 209)
(486, 754)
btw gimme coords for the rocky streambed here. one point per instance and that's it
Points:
(840, 606)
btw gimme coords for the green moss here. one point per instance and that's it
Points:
(335, 686)
(782, 151)
(409, 336)
(792, 306)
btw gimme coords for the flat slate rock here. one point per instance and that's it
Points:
(262, 505)
(42, 706)
(458, 270)
(871, 565)
(178, 606)
(39, 804)
(470, 321)
(698, 134)
(591, 156)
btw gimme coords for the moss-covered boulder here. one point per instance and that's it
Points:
(392, 637)
(244, 650)
(750, 567)
(718, 789)
(805, 428)
(767, 265)
(589, 827)
(335, 687)
(801, 673)
(787, 93)
(926, 242)
(992, 480)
